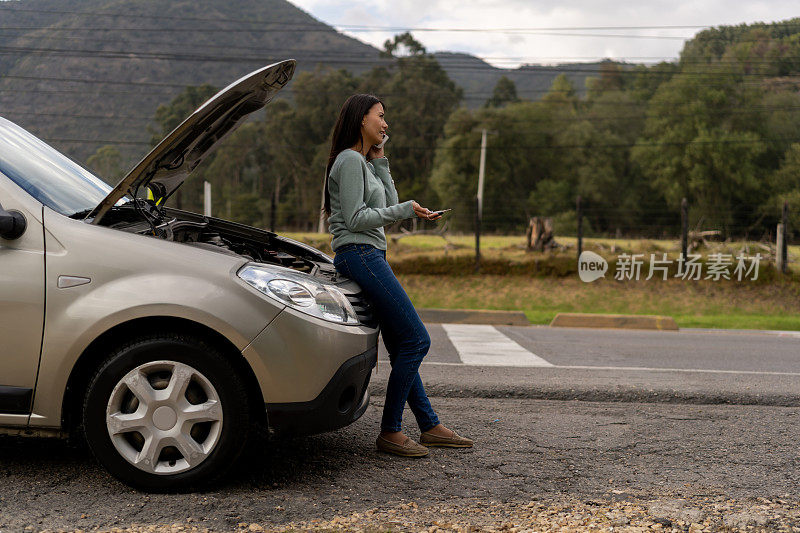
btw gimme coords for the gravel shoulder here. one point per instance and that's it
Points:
(537, 464)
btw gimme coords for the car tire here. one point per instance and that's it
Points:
(166, 412)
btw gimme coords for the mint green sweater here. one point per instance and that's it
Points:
(363, 200)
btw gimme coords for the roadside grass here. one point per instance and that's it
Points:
(513, 246)
(701, 304)
(436, 277)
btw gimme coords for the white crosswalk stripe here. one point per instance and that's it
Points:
(486, 346)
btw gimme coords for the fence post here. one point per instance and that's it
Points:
(684, 226)
(580, 225)
(785, 221)
(477, 234)
(779, 251)
(272, 211)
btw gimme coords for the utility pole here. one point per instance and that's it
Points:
(276, 198)
(477, 235)
(781, 241)
(785, 248)
(481, 173)
(206, 199)
(321, 227)
(479, 198)
(579, 212)
(479, 201)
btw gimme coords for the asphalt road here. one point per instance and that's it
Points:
(700, 349)
(650, 430)
(539, 362)
(594, 453)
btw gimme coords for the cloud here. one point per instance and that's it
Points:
(559, 43)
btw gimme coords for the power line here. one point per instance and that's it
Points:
(391, 28)
(441, 57)
(229, 46)
(476, 148)
(262, 49)
(588, 118)
(520, 30)
(385, 28)
(467, 96)
(726, 83)
(529, 70)
(284, 29)
(86, 92)
(78, 116)
(316, 91)
(90, 80)
(372, 28)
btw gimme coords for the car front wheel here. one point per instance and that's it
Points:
(166, 412)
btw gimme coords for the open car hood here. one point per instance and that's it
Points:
(166, 167)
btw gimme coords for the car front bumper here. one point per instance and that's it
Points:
(343, 400)
(310, 369)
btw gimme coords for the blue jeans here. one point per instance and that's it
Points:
(404, 334)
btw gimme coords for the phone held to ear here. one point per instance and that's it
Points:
(380, 145)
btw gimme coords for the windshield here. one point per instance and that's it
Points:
(47, 174)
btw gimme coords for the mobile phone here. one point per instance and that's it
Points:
(441, 211)
(380, 145)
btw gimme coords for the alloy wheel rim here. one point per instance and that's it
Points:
(164, 417)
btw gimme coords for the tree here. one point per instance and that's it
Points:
(546, 153)
(419, 97)
(505, 92)
(784, 184)
(518, 158)
(297, 143)
(647, 80)
(169, 116)
(402, 45)
(561, 92)
(787, 177)
(236, 173)
(611, 79)
(775, 116)
(691, 149)
(106, 162)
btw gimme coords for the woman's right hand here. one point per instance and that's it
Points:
(424, 212)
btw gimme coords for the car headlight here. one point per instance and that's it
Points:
(301, 292)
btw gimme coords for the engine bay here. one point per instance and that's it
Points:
(220, 236)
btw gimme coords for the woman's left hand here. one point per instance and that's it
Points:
(374, 153)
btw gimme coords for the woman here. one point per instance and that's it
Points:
(360, 198)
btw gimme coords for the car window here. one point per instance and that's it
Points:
(47, 174)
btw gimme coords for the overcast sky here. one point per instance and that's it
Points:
(551, 19)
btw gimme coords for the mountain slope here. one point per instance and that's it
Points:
(143, 59)
(478, 77)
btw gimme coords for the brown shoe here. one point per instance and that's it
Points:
(409, 448)
(455, 441)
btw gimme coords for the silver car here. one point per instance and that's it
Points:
(161, 335)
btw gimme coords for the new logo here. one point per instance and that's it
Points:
(591, 266)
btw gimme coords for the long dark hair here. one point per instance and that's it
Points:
(347, 132)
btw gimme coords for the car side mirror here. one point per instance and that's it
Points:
(12, 224)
